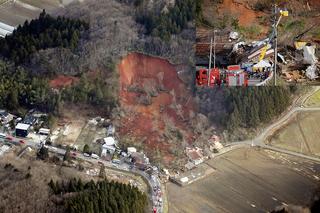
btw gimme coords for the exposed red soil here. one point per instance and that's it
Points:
(147, 122)
(62, 81)
(245, 15)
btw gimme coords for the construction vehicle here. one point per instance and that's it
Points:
(283, 13)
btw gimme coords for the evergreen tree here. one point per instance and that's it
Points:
(102, 173)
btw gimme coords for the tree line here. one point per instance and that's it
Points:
(42, 33)
(165, 24)
(101, 196)
(238, 107)
(248, 107)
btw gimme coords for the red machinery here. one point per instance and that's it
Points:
(215, 77)
(202, 77)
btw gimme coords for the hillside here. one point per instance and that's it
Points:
(253, 21)
(158, 110)
(252, 18)
(92, 68)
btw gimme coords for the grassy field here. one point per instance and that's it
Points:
(300, 135)
(314, 100)
(247, 180)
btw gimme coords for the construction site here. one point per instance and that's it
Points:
(273, 44)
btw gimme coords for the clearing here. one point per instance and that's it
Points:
(248, 180)
(300, 135)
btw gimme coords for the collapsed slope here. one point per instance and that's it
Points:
(157, 106)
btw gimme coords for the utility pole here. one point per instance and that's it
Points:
(210, 62)
(275, 44)
(214, 49)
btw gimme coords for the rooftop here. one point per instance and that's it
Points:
(22, 126)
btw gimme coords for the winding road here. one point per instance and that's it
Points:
(259, 140)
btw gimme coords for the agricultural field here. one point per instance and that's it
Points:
(314, 100)
(16, 13)
(248, 180)
(300, 135)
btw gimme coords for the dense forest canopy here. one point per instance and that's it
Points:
(165, 24)
(102, 196)
(240, 107)
(18, 88)
(44, 32)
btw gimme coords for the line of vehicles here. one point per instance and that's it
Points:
(10, 138)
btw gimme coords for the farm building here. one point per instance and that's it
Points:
(22, 130)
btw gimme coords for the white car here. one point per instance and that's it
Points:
(94, 156)
(86, 155)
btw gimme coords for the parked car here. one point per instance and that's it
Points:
(22, 141)
(94, 156)
(86, 155)
(10, 138)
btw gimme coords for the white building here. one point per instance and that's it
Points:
(108, 146)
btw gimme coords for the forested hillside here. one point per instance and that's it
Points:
(244, 108)
(42, 33)
(20, 89)
(102, 196)
(164, 24)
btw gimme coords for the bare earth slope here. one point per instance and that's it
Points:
(157, 103)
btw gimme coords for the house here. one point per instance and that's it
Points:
(22, 130)
(30, 119)
(108, 146)
(5, 117)
(195, 155)
(140, 160)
